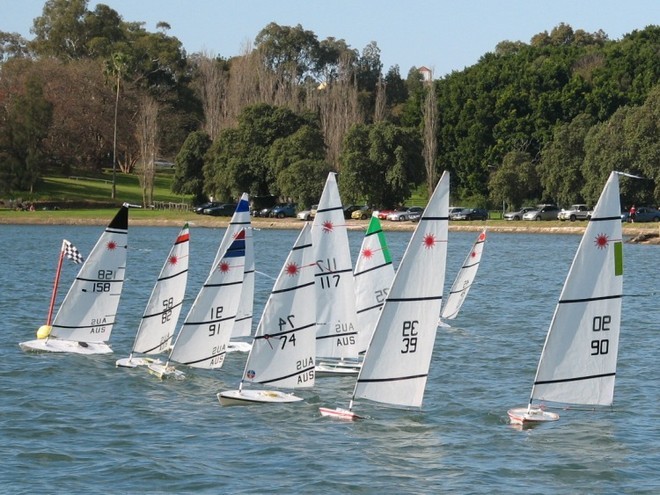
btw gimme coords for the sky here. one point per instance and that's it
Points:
(443, 35)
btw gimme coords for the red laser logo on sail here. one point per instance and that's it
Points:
(601, 241)
(429, 241)
(292, 269)
(223, 267)
(327, 226)
(112, 245)
(367, 253)
(173, 260)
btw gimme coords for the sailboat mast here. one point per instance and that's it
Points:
(53, 296)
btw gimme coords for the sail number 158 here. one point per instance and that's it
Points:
(600, 324)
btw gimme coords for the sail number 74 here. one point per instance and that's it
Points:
(600, 324)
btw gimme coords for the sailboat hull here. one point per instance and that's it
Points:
(339, 413)
(337, 369)
(61, 345)
(134, 362)
(238, 346)
(527, 416)
(162, 371)
(247, 397)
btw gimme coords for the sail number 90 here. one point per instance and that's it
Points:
(600, 324)
(409, 336)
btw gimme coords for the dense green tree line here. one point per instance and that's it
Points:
(540, 121)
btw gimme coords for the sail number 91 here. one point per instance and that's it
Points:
(600, 324)
(409, 336)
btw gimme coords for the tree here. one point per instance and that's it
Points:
(430, 138)
(27, 121)
(116, 67)
(212, 81)
(238, 159)
(382, 176)
(147, 138)
(291, 51)
(561, 161)
(189, 166)
(514, 181)
(60, 30)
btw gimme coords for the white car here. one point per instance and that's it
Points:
(307, 214)
(575, 212)
(401, 216)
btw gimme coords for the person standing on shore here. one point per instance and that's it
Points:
(632, 213)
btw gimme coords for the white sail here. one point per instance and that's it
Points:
(396, 365)
(336, 318)
(203, 338)
(161, 314)
(284, 345)
(241, 220)
(373, 276)
(578, 362)
(464, 279)
(88, 312)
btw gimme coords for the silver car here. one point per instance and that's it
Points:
(517, 215)
(542, 212)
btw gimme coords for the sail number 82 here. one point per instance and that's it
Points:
(409, 336)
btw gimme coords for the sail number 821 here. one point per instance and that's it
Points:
(600, 324)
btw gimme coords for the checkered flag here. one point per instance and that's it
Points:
(72, 252)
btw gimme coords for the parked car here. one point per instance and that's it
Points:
(362, 213)
(307, 214)
(542, 212)
(382, 214)
(517, 215)
(348, 210)
(575, 212)
(454, 211)
(199, 209)
(400, 216)
(470, 214)
(263, 212)
(643, 214)
(223, 210)
(416, 215)
(283, 210)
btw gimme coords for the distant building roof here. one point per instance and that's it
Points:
(426, 73)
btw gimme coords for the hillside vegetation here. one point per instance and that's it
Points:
(538, 121)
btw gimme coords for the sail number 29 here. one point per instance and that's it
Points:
(409, 335)
(600, 324)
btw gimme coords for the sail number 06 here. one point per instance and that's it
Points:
(409, 335)
(600, 324)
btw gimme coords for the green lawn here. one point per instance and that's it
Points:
(78, 189)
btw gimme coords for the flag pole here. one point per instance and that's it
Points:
(55, 285)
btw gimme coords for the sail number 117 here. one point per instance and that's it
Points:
(600, 324)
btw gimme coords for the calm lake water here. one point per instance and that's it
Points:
(76, 424)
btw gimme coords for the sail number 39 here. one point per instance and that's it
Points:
(600, 324)
(409, 335)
